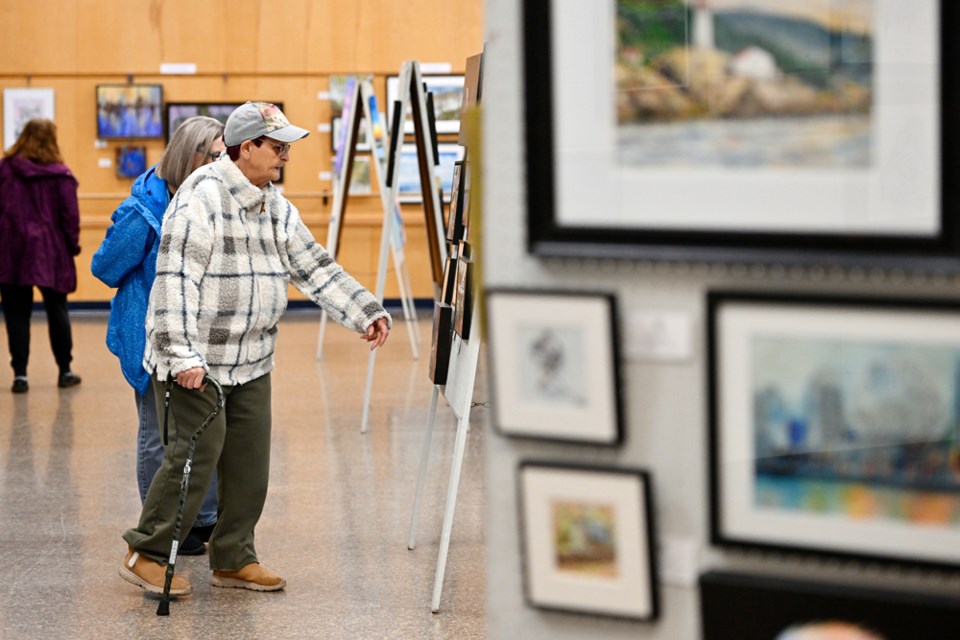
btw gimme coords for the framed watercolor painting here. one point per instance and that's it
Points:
(21, 105)
(129, 111)
(447, 93)
(833, 426)
(736, 606)
(554, 367)
(732, 130)
(588, 540)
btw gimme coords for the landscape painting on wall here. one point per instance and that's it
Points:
(771, 84)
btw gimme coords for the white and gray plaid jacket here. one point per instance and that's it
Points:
(228, 249)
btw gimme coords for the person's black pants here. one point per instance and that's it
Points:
(17, 308)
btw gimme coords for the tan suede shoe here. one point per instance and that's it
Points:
(253, 577)
(149, 575)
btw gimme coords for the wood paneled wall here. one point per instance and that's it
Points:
(244, 50)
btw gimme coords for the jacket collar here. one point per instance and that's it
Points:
(248, 195)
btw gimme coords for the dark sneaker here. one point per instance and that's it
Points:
(191, 546)
(68, 379)
(20, 385)
(203, 532)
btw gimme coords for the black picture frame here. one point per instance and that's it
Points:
(554, 365)
(609, 568)
(464, 295)
(441, 342)
(175, 113)
(456, 230)
(655, 233)
(117, 120)
(832, 426)
(740, 606)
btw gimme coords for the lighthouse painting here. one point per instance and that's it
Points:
(745, 84)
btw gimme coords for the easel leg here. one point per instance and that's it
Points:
(424, 457)
(323, 330)
(371, 363)
(451, 505)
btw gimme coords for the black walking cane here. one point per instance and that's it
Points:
(163, 609)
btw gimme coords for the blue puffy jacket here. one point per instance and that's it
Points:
(127, 261)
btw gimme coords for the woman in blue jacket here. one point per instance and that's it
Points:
(127, 261)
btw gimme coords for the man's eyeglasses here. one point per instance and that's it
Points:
(279, 148)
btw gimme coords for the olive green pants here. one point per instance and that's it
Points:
(236, 445)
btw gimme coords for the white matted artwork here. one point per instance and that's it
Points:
(409, 175)
(22, 105)
(554, 365)
(588, 536)
(447, 93)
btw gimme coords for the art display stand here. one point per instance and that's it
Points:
(412, 100)
(458, 391)
(362, 96)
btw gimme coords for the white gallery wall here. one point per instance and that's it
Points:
(665, 398)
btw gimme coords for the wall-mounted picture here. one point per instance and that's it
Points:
(131, 161)
(362, 145)
(409, 171)
(22, 105)
(833, 426)
(554, 366)
(340, 86)
(447, 93)
(178, 112)
(129, 111)
(736, 606)
(588, 540)
(732, 130)
(360, 178)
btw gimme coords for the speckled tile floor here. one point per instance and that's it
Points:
(335, 523)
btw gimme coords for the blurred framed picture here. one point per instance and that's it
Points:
(129, 111)
(409, 171)
(833, 426)
(757, 130)
(20, 105)
(588, 540)
(447, 93)
(131, 161)
(554, 366)
(362, 146)
(736, 606)
(178, 112)
(361, 183)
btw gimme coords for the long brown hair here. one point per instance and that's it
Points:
(38, 142)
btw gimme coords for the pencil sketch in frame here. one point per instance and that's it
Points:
(554, 365)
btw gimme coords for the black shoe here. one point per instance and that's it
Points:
(203, 532)
(68, 379)
(20, 385)
(192, 546)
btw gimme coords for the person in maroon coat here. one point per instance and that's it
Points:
(39, 236)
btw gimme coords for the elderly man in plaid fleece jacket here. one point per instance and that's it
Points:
(229, 246)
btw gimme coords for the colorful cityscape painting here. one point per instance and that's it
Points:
(779, 84)
(866, 430)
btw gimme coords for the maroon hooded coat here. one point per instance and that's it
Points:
(39, 224)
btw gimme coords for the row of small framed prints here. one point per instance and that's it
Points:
(832, 422)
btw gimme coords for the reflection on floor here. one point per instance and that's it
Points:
(336, 519)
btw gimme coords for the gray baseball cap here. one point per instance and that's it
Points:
(254, 119)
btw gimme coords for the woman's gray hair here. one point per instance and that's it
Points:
(196, 134)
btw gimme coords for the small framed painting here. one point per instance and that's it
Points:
(588, 540)
(409, 174)
(554, 365)
(131, 161)
(833, 426)
(20, 105)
